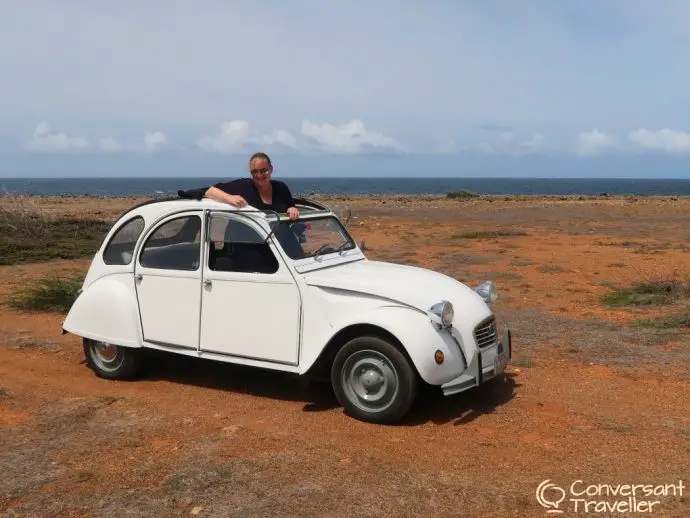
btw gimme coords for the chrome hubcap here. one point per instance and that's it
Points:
(108, 357)
(370, 381)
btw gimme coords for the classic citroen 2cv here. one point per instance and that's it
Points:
(205, 279)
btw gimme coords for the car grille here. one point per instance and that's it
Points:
(485, 333)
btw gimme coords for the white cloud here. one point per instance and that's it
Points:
(109, 144)
(536, 142)
(591, 143)
(236, 136)
(232, 137)
(351, 137)
(279, 137)
(47, 140)
(155, 140)
(669, 140)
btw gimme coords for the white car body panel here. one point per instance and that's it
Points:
(169, 308)
(412, 328)
(283, 320)
(107, 312)
(233, 311)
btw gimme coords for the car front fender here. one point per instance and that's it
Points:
(419, 337)
(107, 311)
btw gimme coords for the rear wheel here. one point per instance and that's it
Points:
(111, 361)
(373, 380)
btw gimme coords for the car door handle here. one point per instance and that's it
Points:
(207, 282)
(138, 277)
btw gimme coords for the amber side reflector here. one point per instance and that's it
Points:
(438, 357)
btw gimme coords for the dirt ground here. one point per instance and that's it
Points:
(590, 396)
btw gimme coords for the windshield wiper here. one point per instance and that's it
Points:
(326, 246)
(321, 250)
(342, 247)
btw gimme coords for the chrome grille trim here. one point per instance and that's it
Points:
(485, 333)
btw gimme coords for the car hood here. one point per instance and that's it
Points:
(409, 285)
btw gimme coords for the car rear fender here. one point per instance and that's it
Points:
(107, 311)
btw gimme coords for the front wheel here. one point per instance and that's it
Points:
(111, 361)
(373, 380)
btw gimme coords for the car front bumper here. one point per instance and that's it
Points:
(489, 363)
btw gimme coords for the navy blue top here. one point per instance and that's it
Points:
(245, 187)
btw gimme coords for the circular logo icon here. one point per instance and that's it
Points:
(550, 496)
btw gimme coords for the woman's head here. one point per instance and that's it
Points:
(261, 169)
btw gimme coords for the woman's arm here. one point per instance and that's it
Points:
(217, 194)
(286, 197)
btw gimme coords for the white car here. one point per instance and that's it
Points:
(208, 280)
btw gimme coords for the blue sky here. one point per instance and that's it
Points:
(428, 88)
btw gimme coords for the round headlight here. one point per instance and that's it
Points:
(442, 313)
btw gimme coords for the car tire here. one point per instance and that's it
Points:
(373, 380)
(111, 361)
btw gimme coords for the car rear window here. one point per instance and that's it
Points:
(120, 248)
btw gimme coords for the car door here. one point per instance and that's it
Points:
(168, 281)
(250, 301)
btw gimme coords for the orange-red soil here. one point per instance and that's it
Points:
(590, 396)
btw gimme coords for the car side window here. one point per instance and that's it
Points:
(234, 246)
(174, 245)
(120, 248)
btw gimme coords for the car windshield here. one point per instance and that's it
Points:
(311, 237)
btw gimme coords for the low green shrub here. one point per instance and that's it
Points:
(462, 195)
(28, 236)
(651, 293)
(50, 293)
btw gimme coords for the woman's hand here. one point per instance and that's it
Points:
(236, 200)
(293, 213)
(216, 194)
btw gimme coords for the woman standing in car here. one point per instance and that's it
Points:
(259, 191)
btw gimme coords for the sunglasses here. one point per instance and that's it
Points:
(263, 170)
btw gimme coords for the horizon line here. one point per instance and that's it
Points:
(332, 177)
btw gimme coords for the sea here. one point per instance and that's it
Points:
(115, 187)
